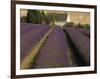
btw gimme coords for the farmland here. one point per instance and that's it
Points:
(46, 47)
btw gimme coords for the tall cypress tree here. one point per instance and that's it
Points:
(33, 16)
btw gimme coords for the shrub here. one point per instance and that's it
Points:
(33, 16)
(79, 25)
(86, 26)
(69, 24)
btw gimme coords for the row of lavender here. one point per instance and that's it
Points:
(85, 31)
(26, 27)
(54, 52)
(31, 34)
(81, 41)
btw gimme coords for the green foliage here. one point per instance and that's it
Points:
(71, 24)
(50, 18)
(33, 16)
(40, 17)
(43, 17)
(86, 26)
(79, 25)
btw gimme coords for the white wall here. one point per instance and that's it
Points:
(5, 39)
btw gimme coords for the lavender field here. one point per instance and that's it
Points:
(69, 47)
(81, 42)
(31, 34)
(54, 52)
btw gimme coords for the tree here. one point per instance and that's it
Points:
(33, 16)
(40, 17)
(79, 25)
(43, 17)
(87, 26)
(50, 18)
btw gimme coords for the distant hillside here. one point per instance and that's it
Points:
(79, 17)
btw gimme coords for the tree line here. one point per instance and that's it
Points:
(42, 17)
